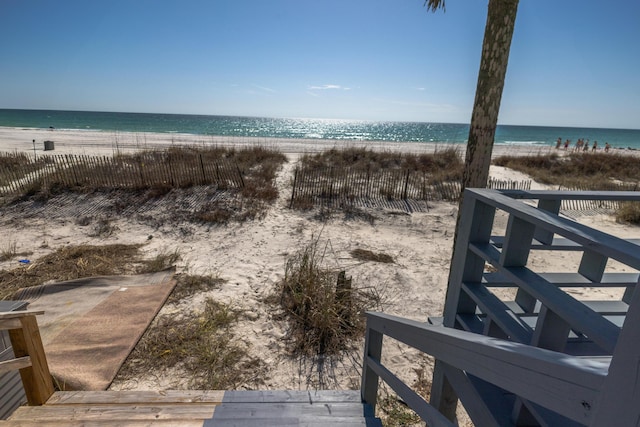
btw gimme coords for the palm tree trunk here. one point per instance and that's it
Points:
(498, 32)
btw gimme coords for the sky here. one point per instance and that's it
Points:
(572, 62)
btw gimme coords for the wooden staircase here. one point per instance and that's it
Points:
(165, 408)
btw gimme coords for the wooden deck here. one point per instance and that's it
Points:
(198, 408)
(177, 408)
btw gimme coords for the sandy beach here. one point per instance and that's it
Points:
(251, 256)
(107, 143)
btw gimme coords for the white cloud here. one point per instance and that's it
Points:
(327, 87)
(266, 89)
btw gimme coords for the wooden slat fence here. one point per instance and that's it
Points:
(329, 185)
(144, 170)
(595, 205)
(497, 184)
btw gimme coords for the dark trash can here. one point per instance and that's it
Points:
(48, 145)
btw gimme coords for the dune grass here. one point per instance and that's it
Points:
(321, 307)
(584, 171)
(16, 165)
(593, 171)
(442, 165)
(245, 176)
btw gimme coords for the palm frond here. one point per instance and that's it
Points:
(433, 5)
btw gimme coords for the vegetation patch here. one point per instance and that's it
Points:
(188, 285)
(584, 171)
(202, 345)
(74, 262)
(16, 166)
(246, 177)
(10, 251)
(394, 412)
(446, 160)
(629, 212)
(367, 255)
(588, 171)
(322, 308)
(338, 177)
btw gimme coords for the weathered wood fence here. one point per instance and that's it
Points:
(595, 205)
(330, 185)
(140, 171)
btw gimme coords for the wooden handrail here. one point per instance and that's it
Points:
(19, 313)
(29, 354)
(570, 387)
(14, 364)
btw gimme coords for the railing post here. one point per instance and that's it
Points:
(372, 349)
(552, 206)
(474, 225)
(36, 379)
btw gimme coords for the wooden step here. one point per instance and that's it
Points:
(198, 408)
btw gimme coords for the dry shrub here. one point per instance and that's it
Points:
(102, 228)
(214, 215)
(188, 285)
(304, 203)
(629, 212)
(240, 209)
(74, 262)
(323, 310)
(163, 260)
(367, 255)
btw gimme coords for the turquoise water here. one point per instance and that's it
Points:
(347, 130)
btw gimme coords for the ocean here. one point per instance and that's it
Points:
(347, 130)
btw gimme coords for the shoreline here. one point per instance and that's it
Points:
(92, 142)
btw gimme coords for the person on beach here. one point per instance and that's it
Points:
(606, 147)
(566, 144)
(558, 143)
(594, 147)
(586, 146)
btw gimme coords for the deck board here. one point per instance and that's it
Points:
(198, 408)
(115, 412)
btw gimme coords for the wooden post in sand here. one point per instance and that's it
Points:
(293, 191)
(343, 298)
